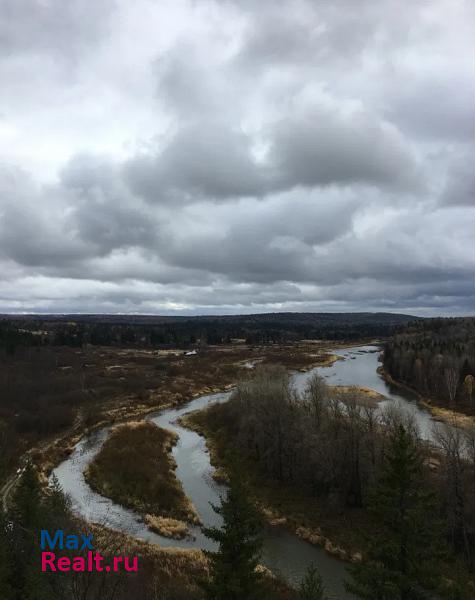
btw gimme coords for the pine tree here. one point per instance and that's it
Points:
(311, 587)
(26, 506)
(28, 518)
(6, 560)
(233, 574)
(56, 507)
(401, 562)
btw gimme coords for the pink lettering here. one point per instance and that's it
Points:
(98, 560)
(79, 564)
(135, 564)
(64, 563)
(47, 560)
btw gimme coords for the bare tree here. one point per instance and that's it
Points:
(469, 387)
(451, 379)
(451, 441)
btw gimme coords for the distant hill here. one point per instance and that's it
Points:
(274, 317)
(156, 330)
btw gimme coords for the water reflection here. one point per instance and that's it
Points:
(283, 552)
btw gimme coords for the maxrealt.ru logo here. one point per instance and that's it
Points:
(91, 561)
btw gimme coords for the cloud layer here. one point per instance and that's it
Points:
(214, 157)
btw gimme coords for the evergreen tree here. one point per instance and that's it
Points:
(6, 560)
(233, 574)
(28, 518)
(311, 587)
(26, 506)
(401, 562)
(56, 507)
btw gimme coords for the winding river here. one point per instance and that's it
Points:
(284, 552)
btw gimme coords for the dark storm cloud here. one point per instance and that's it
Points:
(241, 156)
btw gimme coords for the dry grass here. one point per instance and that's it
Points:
(175, 571)
(136, 469)
(122, 384)
(171, 528)
(362, 396)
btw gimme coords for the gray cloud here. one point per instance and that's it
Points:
(324, 148)
(60, 29)
(460, 187)
(438, 106)
(104, 211)
(236, 157)
(204, 160)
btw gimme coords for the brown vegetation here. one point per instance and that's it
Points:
(51, 394)
(95, 385)
(136, 469)
(171, 528)
(312, 461)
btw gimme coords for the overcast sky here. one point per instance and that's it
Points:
(226, 156)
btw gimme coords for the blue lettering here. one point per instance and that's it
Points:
(72, 541)
(57, 539)
(87, 542)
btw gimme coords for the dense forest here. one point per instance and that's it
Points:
(77, 330)
(436, 357)
(419, 500)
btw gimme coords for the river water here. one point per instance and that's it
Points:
(283, 552)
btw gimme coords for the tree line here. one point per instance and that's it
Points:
(106, 330)
(436, 357)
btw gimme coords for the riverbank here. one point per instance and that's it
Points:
(156, 381)
(176, 380)
(174, 571)
(135, 468)
(443, 415)
(341, 533)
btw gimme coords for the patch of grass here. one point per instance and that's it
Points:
(362, 396)
(171, 528)
(136, 469)
(175, 571)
